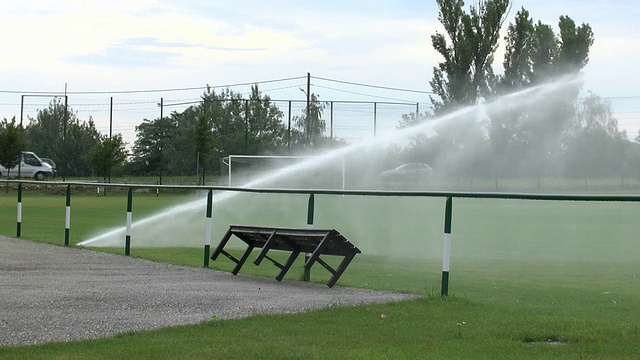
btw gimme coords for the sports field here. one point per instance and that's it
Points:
(529, 279)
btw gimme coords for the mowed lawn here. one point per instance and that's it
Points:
(529, 279)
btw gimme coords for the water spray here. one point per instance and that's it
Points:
(520, 98)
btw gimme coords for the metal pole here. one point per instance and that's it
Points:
(64, 136)
(21, 131)
(246, 124)
(229, 182)
(309, 138)
(161, 153)
(127, 244)
(19, 226)
(446, 256)
(289, 128)
(21, 109)
(111, 118)
(207, 233)
(331, 111)
(110, 128)
(310, 209)
(67, 217)
(375, 117)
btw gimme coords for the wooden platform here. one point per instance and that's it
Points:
(314, 241)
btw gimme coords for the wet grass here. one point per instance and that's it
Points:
(524, 275)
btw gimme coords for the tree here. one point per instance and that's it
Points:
(11, 144)
(243, 126)
(203, 143)
(310, 129)
(111, 152)
(153, 138)
(595, 146)
(45, 135)
(518, 57)
(535, 54)
(226, 113)
(266, 131)
(466, 72)
(575, 43)
(180, 157)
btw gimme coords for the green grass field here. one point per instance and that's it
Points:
(521, 272)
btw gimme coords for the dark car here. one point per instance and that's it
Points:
(52, 164)
(410, 171)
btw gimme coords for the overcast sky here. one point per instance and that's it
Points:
(116, 46)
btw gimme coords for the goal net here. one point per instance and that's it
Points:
(284, 171)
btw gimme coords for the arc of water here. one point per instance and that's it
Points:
(519, 98)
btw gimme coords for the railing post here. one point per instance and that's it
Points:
(127, 244)
(310, 208)
(19, 215)
(67, 217)
(446, 256)
(207, 233)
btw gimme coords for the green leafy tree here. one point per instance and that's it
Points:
(310, 129)
(463, 78)
(46, 136)
(468, 46)
(596, 147)
(180, 158)
(203, 143)
(266, 131)
(11, 144)
(225, 112)
(153, 139)
(243, 126)
(534, 54)
(518, 58)
(110, 153)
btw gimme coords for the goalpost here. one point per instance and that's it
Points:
(274, 161)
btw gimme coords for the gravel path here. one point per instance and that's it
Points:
(52, 293)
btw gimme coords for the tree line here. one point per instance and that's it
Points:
(220, 124)
(566, 135)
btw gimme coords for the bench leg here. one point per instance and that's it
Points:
(341, 268)
(242, 260)
(265, 248)
(316, 253)
(221, 245)
(288, 264)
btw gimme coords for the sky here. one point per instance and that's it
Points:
(127, 50)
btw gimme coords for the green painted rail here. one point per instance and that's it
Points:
(447, 195)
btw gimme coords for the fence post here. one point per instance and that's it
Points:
(446, 256)
(310, 208)
(67, 217)
(207, 233)
(19, 216)
(127, 244)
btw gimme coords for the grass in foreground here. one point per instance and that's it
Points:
(492, 318)
(502, 297)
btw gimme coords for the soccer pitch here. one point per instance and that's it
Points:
(521, 272)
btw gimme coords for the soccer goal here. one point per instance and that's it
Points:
(284, 171)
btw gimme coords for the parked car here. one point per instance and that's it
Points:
(31, 166)
(52, 164)
(410, 171)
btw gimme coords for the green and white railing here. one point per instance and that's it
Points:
(448, 211)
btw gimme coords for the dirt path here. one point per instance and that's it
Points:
(52, 293)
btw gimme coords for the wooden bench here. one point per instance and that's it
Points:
(314, 241)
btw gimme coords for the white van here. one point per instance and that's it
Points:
(31, 166)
